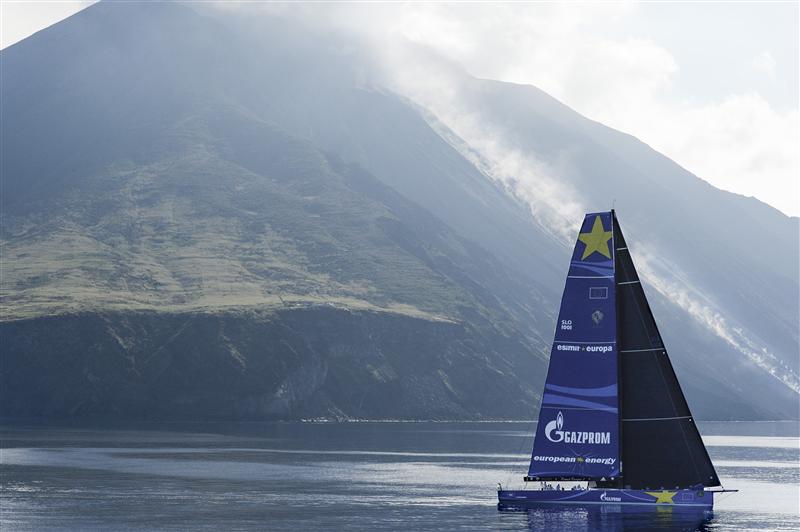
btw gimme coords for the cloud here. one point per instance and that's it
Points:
(436, 85)
(764, 62)
(679, 289)
(21, 19)
(739, 143)
(554, 205)
(737, 139)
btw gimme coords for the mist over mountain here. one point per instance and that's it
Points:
(206, 215)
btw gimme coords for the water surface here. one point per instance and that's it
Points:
(354, 476)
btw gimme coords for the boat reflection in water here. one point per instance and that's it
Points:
(611, 517)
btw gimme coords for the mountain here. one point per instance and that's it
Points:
(209, 217)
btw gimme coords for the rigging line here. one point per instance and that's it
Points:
(522, 442)
(628, 282)
(641, 350)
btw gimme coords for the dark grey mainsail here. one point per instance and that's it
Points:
(661, 446)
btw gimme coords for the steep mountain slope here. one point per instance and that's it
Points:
(194, 258)
(250, 275)
(201, 219)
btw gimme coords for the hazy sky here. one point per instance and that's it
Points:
(714, 86)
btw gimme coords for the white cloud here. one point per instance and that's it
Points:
(737, 140)
(20, 19)
(739, 143)
(554, 204)
(677, 287)
(765, 63)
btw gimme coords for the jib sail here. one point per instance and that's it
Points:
(661, 446)
(578, 432)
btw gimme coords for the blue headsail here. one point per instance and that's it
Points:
(578, 432)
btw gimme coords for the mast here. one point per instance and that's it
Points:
(620, 481)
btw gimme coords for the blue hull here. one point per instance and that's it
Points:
(685, 498)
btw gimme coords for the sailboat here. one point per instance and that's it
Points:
(613, 419)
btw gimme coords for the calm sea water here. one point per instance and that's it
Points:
(354, 476)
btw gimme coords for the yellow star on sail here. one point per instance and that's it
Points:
(662, 497)
(596, 240)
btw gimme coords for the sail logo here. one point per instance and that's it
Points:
(555, 426)
(599, 348)
(608, 498)
(554, 432)
(587, 348)
(574, 460)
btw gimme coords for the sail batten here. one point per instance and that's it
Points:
(656, 418)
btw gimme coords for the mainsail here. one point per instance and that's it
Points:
(578, 432)
(661, 446)
(612, 408)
